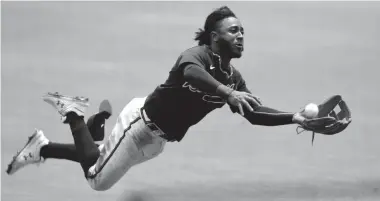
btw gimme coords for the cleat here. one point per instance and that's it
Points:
(66, 104)
(30, 153)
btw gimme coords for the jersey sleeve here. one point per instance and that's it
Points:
(190, 58)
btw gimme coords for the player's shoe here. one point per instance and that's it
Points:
(30, 154)
(66, 104)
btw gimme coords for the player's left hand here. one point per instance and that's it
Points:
(338, 121)
(329, 122)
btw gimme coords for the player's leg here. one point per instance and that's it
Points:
(131, 142)
(72, 110)
(63, 151)
(59, 151)
(38, 149)
(30, 153)
(41, 148)
(95, 125)
(86, 148)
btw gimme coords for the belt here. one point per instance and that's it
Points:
(153, 127)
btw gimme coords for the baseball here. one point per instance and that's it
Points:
(311, 110)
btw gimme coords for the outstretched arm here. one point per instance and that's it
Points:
(267, 116)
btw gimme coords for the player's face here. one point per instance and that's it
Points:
(231, 40)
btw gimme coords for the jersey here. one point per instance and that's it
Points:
(175, 105)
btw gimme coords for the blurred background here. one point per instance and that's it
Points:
(295, 53)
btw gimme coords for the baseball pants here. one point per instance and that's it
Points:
(131, 142)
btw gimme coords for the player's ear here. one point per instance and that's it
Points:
(214, 36)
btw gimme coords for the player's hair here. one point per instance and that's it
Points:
(203, 35)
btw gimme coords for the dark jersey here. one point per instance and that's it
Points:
(176, 105)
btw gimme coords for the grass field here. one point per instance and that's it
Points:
(296, 53)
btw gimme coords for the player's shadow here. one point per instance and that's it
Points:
(134, 196)
(310, 190)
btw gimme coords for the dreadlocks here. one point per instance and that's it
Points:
(203, 35)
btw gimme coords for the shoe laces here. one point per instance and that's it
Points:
(80, 98)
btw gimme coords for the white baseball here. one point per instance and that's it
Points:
(311, 110)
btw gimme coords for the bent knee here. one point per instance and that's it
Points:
(99, 185)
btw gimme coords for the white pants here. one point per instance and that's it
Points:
(131, 142)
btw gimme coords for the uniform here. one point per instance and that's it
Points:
(146, 124)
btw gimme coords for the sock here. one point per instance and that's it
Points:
(59, 151)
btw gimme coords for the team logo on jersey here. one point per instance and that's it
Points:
(207, 97)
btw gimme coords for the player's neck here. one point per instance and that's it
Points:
(226, 63)
(225, 59)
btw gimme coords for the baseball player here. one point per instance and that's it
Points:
(201, 80)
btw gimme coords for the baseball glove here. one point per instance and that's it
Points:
(329, 121)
